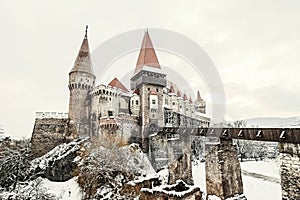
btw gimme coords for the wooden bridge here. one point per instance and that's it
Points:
(289, 135)
(223, 172)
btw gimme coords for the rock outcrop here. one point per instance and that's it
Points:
(60, 163)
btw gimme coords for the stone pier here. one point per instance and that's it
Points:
(223, 171)
(290, 170)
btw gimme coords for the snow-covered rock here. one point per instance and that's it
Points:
(58, 164)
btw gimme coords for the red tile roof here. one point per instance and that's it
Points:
(199, 97)
(117, 84)
(185, 97)
(178, 93)
(153, 92)
(172, 90)
(147, 55)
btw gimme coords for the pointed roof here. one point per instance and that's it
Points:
(136, 91)
(199, 96)
(191, 100)
(83, 62)
(147, 55)
(117, 84)
(178, 93)
(172, 90)
(153, 92)
(185, 97)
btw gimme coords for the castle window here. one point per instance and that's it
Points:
(136, 102)
(132, 102)
(110, 113)
(148, 89)
(173, 103)
(157, 90)
(109, 99)
(153, 101)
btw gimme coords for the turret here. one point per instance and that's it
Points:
(200, 104)
(186, 105)
(81, 82)
(173, 99)
(180, 102)
(135, 103)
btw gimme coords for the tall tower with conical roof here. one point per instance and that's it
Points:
(200, 104)
(81, 82)
(149, 80)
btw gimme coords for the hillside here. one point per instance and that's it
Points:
(274, 122)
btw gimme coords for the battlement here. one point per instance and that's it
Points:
(55, 115)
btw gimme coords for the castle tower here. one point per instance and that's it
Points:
(200, 104)
(135, 103)
(81, 82)
(148, 79)
(186, 105)
(180, 102)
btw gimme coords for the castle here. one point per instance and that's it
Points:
(151, 101)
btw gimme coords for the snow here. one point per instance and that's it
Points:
(59, 152)
(275, 122)
(61, 189)
(270, 168)
(166, 189)
(255, 188)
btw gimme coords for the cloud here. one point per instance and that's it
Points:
(254, 44)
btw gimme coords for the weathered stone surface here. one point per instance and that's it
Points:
(290, 170)
(177, 191)
(133, 188)
(174, 151)
(48, 133)
(180, 163)
(223, 171)
(58, 164)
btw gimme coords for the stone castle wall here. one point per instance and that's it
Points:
(49, 133)
(290, 170)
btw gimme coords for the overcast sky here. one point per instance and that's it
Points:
(254, 44)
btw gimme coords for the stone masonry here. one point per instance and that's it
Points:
(290, 170)
(223, 171)
(49, 133)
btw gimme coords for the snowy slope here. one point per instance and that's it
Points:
(64, 190)
(291, 122)
(254, 188)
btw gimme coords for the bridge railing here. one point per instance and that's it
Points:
(290, 135)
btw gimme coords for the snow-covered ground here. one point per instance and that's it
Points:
(255, 187)
(266, 186)
(68, 190)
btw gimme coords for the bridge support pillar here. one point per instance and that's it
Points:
(290, 170)
(223, 171)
